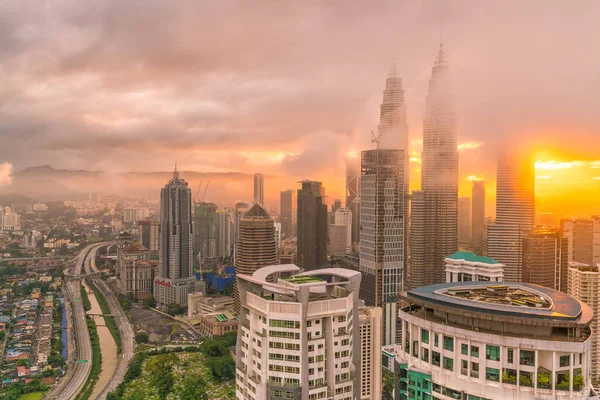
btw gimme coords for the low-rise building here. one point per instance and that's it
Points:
(218, 324)
(465, 266)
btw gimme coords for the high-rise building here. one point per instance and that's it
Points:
(464, 220)
(477, 215)
(298, 336)
(285, 213)
(343, 216)
(515, 213)
(240, 210)
(337, 239)
(136, 271)
(259, 189)
(382, 242)
(353, 196)
(584, 285)
(277, 226)
(131, 215)
(311, 252)
(175, 274)
(150, 235)
(583, 236)
(369, 320)
(473, 340)
(256, 247)
(9, 220)
(205, 230)
(545, 260)
(436, 237)
(224, 233)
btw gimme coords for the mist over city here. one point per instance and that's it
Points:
(312, 200)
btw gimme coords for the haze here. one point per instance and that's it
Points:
(290, 89)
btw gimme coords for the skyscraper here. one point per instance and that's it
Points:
(584, 239)
(437, 235)
(256, 246)
(353, 195)
(224, 228)
(205, 230)
(259, 189)
(584, 285)
(149, 235)
(545, 260)
(464, 221)
(240, 210)
(175, 278)
(382, 233)
(477, 215)
(515, 213)
(343, 216)
(311, 251)
(285, 213)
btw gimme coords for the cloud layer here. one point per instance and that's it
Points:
(287, 88)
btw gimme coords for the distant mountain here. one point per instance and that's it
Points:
(45, 183)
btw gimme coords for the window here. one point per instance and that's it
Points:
(492, 374)
(436, 340)
(511, 355)
(278, 323)
(448, 343)
(425, 336)
(342, 318)
(435, 358)
(464, 349)
(308, 324)
(564, 361)
(527, 357)
(474, 351)
(448, 364)
(492, 353)
(464, 367)
(425, 355)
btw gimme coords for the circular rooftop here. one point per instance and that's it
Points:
(506, 299)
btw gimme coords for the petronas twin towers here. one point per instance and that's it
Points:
(385, 198)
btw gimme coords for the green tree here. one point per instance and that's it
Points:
(194, 388)
(160, 369)
(141, 337)
(174, 309)
(149, 301)
(388, 384)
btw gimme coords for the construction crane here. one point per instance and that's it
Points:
(197, 191)
(205, 189)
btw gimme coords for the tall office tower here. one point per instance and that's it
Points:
(337, 203)
(285, 213)
(382, 234)
(337, 240)
(240, 210)
(277, 234)
(205, 230)
(224, 228)
(256, 247)
(259, 189)
(353, 196)
(311, 251)
(584, 285)
(369, 320)
(149, 235)
(545, 260)
(584, 239)
(298, 336)
(477, 215)
(343, 216)
(439, 183)
(515, 213)
(464, 221)
(175, 274)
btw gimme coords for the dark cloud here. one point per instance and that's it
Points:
(226, 85)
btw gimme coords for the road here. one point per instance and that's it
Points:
(125, 329)
(73, 381)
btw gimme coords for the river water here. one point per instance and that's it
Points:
(108, 347)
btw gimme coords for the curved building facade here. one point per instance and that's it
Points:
(479, 341)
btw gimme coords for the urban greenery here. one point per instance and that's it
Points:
(85, 299)
(96, 361)
(18, 389)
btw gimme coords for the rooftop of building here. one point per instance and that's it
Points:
(506, 301)
(472, 257)
(584, 267)
(300, 279)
